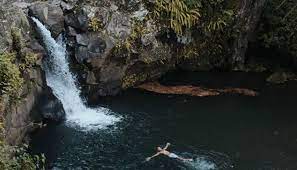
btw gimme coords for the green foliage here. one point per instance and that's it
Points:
(127, 45)
(220, 21)
(210, 15)
(212, 34)
(16, 158)
(11, 65)
(279, 26)
(28, 61)
(178, 14)
(10, 76)
(130, 80)
(95, 24)
(17, 40)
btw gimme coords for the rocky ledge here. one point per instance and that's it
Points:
(21, 114)
(115, 44)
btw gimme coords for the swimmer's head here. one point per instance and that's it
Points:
(159, 148)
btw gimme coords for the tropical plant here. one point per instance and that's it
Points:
(279, 26)
(178, 14)
(17, 158)
(219, 21)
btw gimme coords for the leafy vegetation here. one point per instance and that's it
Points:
(127, 45)
(95, 24)
(13, 64)
(279, 26)
(27, 61)
(16, 158)
(10, 76)
(210, 29)
(17, 40)
(180, 15)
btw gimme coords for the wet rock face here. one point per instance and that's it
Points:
(17, 115)
(92, 45)
(52, 109)
(49, 14)
(108, 66)
(112, 67)
(12, 17)
(78, 20)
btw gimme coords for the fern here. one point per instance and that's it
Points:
(178, 14)
(219, 22)
(95, 24)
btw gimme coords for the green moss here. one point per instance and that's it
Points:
(95, 24)
(17, 39)
(10, 76)
(147, 60)
(131, 42)
(16, 158)
(28, 61)
(131, 80)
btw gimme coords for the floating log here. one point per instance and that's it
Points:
(194, 90)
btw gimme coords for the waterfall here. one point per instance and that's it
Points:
(62, 82)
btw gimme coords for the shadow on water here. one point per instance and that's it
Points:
(218, 132)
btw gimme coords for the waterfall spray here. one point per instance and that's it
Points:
(62, 82)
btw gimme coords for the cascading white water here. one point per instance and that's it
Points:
(62, 82)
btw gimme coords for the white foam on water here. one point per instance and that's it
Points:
(62, 82)
(202, 164)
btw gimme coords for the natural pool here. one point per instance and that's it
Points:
(220, 132)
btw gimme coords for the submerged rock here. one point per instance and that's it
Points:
(281, 77)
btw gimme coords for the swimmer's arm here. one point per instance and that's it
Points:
(167, 145)
(149, 158)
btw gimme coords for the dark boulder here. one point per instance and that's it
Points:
(92, 45)
(52, 109)
(49, 14)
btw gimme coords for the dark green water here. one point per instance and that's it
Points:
(222, 132)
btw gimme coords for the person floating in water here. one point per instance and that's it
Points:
(167, 153)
